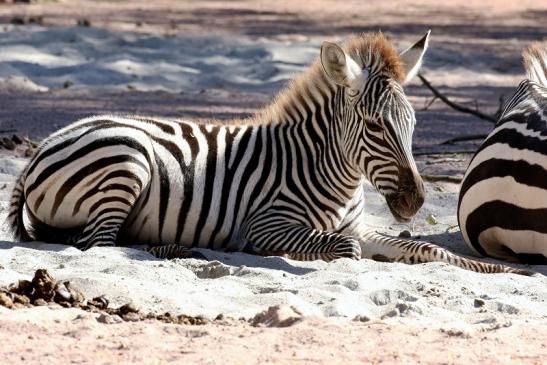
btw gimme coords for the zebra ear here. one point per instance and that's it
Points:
(412, 57)
(339, 66)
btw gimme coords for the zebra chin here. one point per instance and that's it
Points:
(405, 206)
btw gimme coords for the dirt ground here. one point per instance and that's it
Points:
(73, 337)
(474, 28)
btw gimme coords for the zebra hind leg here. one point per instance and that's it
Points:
(109, 210)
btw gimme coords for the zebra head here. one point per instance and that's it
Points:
(376, 120)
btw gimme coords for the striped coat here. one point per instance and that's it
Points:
(502, 208)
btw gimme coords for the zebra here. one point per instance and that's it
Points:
(286, 181)
(502, 209)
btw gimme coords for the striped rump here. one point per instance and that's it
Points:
(502, 208)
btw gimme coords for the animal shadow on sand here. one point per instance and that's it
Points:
(235, 259)
(454, 242)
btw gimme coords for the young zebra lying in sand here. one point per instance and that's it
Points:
(287, 180)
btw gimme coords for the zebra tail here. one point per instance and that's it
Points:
(388, 248)
(535, 63)
(15, 214)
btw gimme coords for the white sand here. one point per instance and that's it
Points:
(236, 284)
(92, 58)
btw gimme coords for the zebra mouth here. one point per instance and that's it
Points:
(403, 207)
(396, 214)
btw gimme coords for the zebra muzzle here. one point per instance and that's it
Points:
(409, 198)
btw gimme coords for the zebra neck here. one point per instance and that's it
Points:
(310, 112)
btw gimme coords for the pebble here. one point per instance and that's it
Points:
(40, 302)
(6, 301)
(105, 318)
(405, 234)
(131, 317)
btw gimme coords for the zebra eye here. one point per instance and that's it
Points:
(373, 126)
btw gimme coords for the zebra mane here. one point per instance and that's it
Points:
(535, 63)
(367, 49)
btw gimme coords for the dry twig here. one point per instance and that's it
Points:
(471, 137)
(454, 105)
(445, 178)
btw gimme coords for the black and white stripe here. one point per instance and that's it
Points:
(287, 181)
(502, 209)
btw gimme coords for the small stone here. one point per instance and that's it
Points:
(75, 295)
(430, 219)
(361, 318)
(16, 139)
(128, 308)
(405, 234)
(277, 316)
(40, 302)
(478, 303)
(62, 294)
(83, 23)
(99, 302)
(8, 143)
(131, 317)
(391, 313)
(44, 285)
(21, 299)
(17, 20)
(105, 318)
(6, 301)
(220, 317)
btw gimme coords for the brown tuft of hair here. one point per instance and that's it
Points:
(535, 62)
(376, 48)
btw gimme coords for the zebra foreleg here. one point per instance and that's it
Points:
(301, 243)
(385, 248)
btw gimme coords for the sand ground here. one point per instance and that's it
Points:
(475, 55)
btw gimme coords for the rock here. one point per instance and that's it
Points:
(106, 319)
(16, 139)
(21, 299)
(361, 318)
(75, 295)
(478, 302)
(39, 302)
(277, 316)
(405, 234)
(431, 219)
(62, 293)
(213, 270)
(128, 308)
(6, 301)
(131, 317)
(8, 143)
(43, 285)
(99, 302)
